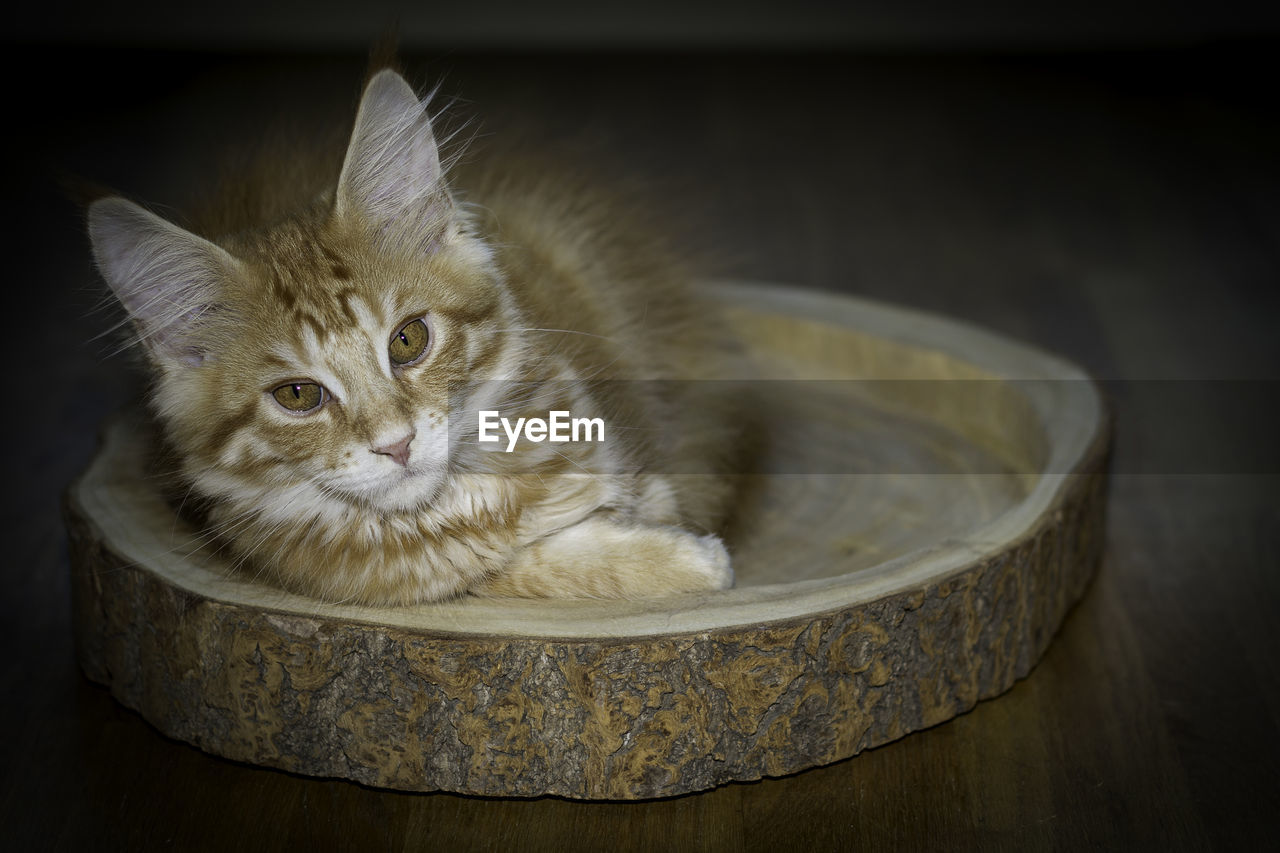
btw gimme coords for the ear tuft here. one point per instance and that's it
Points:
(165, 277)
(392, 174)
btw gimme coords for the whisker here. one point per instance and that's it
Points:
(562, 331)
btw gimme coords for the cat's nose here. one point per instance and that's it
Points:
(397, 450)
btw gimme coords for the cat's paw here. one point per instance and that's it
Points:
(710, 561)
(601, 557)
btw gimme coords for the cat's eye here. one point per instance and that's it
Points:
(300, 397)
(409, 345)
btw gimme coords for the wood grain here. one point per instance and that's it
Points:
(634, 700)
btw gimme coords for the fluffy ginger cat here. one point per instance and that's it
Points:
(318, 373)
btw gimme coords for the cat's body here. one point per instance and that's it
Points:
(318, 372)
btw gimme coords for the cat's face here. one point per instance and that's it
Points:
(319, 355)
(342, 373)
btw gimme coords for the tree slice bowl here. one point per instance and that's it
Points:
(927, 503)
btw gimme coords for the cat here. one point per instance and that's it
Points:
(316, 369)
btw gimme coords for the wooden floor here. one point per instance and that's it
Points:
(1121, 209)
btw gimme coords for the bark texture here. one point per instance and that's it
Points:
(606, 719)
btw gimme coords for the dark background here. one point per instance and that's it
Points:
(905, 25)
(1097, 178)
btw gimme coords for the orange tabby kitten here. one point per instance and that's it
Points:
(332, 379)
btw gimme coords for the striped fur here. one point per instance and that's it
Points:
(533, 290)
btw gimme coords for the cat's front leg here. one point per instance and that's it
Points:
(607, 557)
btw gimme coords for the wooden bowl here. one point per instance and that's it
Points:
(928, 505)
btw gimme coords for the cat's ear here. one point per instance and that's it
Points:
(165, 277)
(391, 174)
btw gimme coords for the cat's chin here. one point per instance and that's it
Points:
(413, 491)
